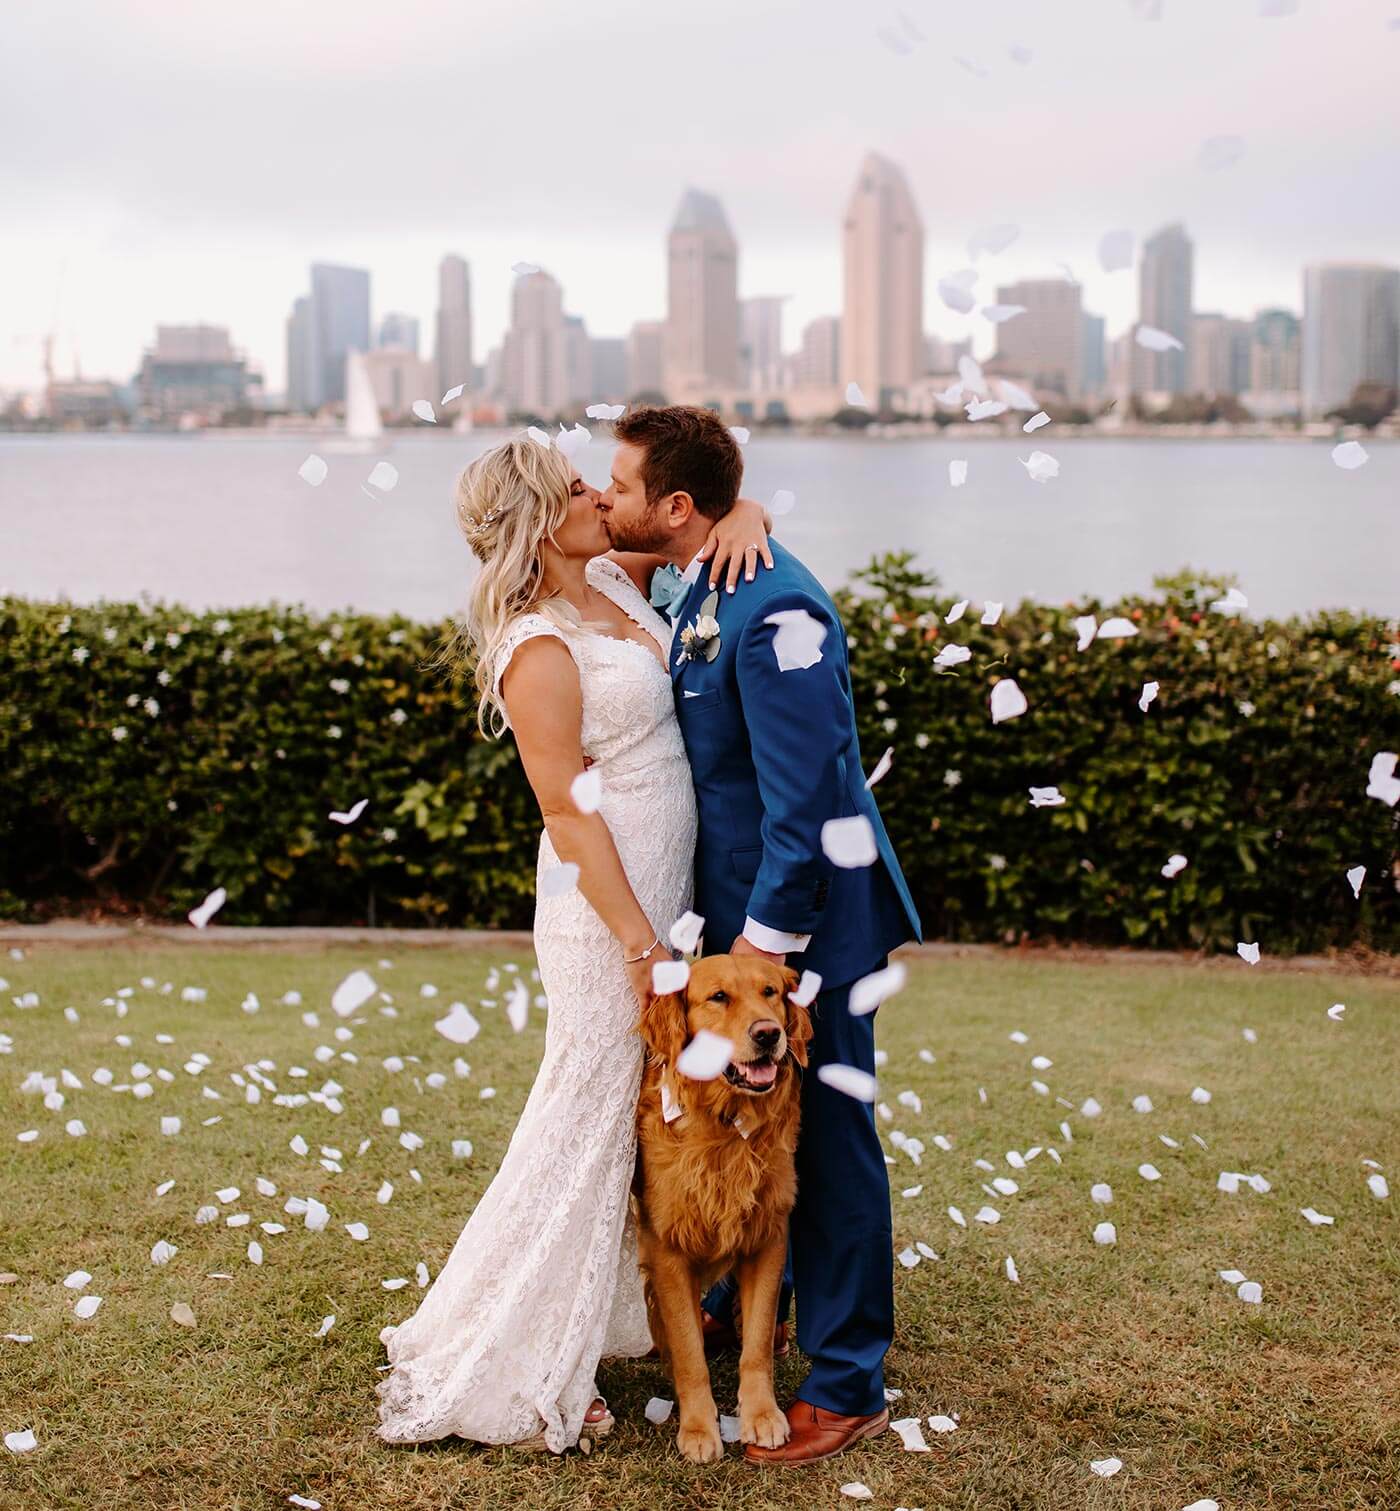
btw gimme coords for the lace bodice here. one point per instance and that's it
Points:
(542, 1281)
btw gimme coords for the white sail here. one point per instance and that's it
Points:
(362, 422)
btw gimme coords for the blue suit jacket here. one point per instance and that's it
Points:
(774, 755)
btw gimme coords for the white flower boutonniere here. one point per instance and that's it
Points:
(700, 639)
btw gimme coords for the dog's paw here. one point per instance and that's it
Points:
(700, 1443)
(768, 1427)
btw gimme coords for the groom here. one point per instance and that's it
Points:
(775, 756)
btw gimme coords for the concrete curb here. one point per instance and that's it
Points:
(126, 935)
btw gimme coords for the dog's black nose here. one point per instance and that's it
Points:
(766, 1034)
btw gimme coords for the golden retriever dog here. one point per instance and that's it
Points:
(715, 1182)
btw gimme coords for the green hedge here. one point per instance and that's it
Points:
(150, 754)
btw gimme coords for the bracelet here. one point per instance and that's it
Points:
(645, 955)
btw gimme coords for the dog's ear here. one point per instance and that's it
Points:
(663, 1026)
(799, 1020)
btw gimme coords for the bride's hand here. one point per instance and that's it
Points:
(738, 540)
(639, 974)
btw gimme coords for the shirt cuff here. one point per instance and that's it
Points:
(774, 940)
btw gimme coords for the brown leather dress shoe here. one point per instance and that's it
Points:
(817, 1434)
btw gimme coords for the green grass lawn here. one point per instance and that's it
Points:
(1138, 1351)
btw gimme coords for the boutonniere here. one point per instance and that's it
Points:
(700, 639)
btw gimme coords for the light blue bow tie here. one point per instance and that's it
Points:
(668, 590)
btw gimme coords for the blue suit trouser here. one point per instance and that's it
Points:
(840, 1243)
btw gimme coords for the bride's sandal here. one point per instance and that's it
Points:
(595, 1429)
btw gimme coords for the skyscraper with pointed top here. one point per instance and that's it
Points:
(882, 334)
(701, 352)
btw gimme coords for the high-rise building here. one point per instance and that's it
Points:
(761, 342)
(340, 312)
(303, 359)
(1220, 351)
(191, 369)
(1274, 365)
(1164, 301)
(701, 355)
(452, 350)
(399, 332)
(1351, 332)
(942, 356)
(882, 322)
(397, 377)
(609, 364)
(1093, 356)
(818, 362)
(646, 344)
(578, 361)
(535, 353)
(1044, 346)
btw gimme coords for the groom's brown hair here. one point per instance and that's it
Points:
(685, 450)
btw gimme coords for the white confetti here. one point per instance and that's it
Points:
(910, 1429)
(313, 470)
(858, 1492)
(1012, 1273)
(854, 397)
(1355, 877)
(1317, 1219)
(558, 881)
(452, 393)
(1040, 466)
(850, 842)
(586, 790)
(685, 933)
(1155, 340)
(350, 815)
(952, 655)
(1148, 694)
(1378, 1186)
(1249, 953)
(882, 768)
(1200, 1095)
(1106, 1234)
(943, 1424)
(870, 991)
(1106, 1468)
(1250, 1291)
(991, 239)
(423, 410)
(1220, 152)
(605, 411)
(1035, 422)
(1350, 455)
(956, 290)
(86, 1306)
(957, 472)
(849, 1081)
(384, 476)
(22, 1441)
(705, 1057)
(658, 1411)
(205, 911)
(459, 1026)
(783, 502)
(1175, 864)
(1007, 701)
(807, 989)
(669, 976)
(1047, 797)
(1381, 781)
(999, 314)
(1149, 1172)
(1115, 251)
(740, 434)
(352, 993)
(524, 269)
(797, 639)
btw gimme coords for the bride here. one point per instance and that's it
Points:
(569, 654)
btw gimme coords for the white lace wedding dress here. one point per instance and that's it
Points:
(543, 1280)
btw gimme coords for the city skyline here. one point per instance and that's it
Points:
(1116, 122)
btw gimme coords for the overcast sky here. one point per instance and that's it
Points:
(169, 162)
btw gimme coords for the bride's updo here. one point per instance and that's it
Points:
(509, 502)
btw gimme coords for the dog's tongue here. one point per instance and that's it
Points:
(763, 1074)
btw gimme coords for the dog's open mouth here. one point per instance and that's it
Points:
(757, 1076)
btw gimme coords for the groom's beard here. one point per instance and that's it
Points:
(645, 534)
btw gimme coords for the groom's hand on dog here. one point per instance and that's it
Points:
(743, 946)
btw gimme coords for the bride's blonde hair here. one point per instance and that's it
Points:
(509, 502)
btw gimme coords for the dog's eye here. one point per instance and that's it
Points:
(719, 996)
(770, 991)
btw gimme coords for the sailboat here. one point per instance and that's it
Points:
(362, 422)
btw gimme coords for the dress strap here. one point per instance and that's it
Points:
(526, 627)
(614, 583)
